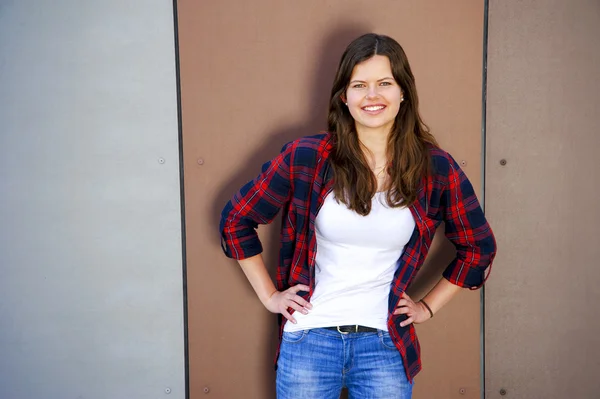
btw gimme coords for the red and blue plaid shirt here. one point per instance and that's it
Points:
(297, 182)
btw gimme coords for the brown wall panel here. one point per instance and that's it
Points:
(542, 330)
(255, 75)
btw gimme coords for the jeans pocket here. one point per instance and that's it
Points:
(386, 340)
(294, 337)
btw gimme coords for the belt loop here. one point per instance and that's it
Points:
(356, 328)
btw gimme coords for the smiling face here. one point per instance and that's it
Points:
(373, 95)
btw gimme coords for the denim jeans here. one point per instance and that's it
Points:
(318, 363)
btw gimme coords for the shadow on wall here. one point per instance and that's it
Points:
(325, 66)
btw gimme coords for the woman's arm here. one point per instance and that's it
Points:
(257, 203)
(275, 301)
(468, 230)
(417, 312)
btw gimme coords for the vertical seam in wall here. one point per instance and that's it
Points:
(182, 202)
(483, 178)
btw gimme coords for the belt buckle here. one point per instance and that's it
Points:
(342, 332)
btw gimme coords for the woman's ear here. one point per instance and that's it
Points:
(343, 98)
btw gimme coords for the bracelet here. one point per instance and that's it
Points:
(428, 308)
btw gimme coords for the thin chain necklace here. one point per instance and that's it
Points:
(380, 172)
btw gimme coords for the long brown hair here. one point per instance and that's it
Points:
(408, 142)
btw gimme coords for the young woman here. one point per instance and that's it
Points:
(360, 205)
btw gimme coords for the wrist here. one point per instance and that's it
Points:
(267, 297)
(427, 308)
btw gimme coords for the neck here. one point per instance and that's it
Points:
(374, 144)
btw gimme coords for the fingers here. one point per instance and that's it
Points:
(288, 316)
(297, 298)
(403, 310)
(301, 301)
(299, 287)
(293, 301)
(293, 305)
(414, 311)
(298, 307)
(403, 302)
(404, 305)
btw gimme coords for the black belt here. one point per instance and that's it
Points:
(351, 329)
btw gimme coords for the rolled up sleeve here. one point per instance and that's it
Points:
(468, 229)
(257, 202)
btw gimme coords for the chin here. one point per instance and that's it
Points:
(378, 125)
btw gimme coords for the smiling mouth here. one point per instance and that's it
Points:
(373, 108)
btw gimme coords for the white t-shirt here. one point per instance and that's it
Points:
(355, 264)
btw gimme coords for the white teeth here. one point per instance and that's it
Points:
(374, 108)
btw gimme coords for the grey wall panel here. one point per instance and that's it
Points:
(91, 300)
(541, 304)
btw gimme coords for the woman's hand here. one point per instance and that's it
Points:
(415, 311)
(281, 301)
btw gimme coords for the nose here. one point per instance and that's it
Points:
(372, 92)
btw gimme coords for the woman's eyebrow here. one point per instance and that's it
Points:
(362, 81)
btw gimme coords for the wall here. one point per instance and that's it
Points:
(541, 324)
(91, 286)
(255, 75)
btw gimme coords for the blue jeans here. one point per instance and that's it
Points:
(316, 364)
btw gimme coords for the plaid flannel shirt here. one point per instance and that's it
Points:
(297, 182)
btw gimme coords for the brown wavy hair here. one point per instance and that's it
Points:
(408, 142)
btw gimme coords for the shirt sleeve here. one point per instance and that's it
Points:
(257, 202)
(468, 229)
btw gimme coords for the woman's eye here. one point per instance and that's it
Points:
(386, 83)
(358, 86)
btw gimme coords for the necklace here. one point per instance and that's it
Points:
(380, 172)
